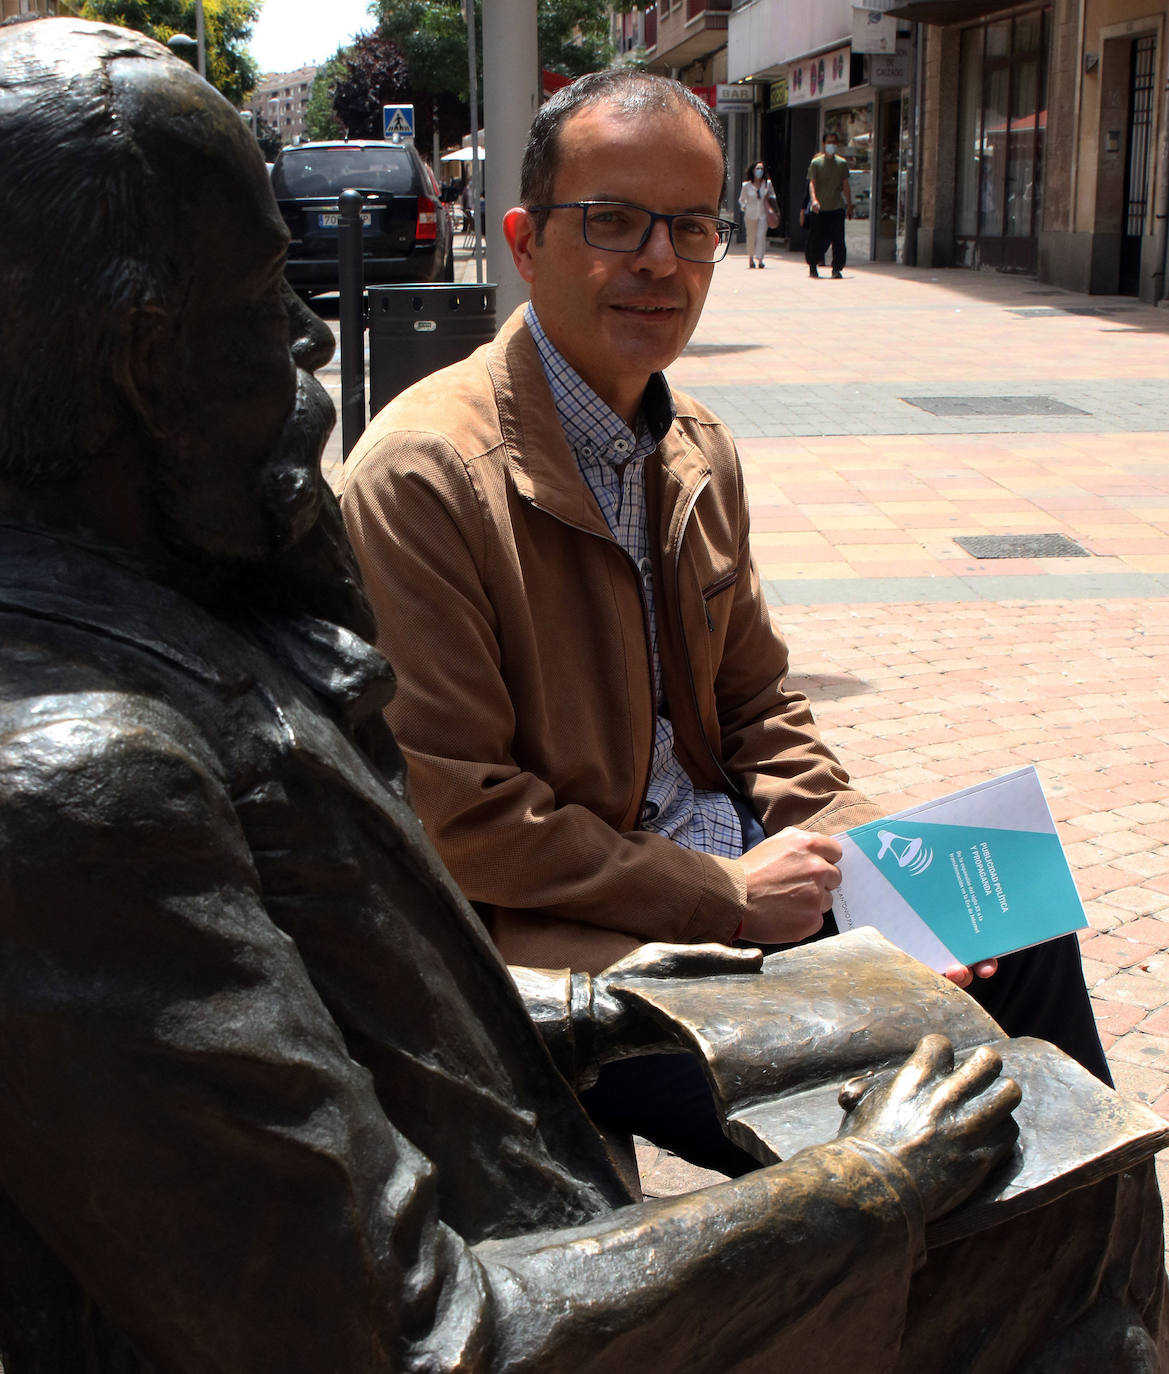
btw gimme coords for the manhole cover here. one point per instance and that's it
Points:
(992, 405)
(1020, 546)
(1040, 311)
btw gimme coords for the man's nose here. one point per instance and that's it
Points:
(657, 254)
(311, 339)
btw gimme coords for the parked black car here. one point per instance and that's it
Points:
(407, 235)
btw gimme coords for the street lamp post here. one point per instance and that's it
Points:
(200, 39)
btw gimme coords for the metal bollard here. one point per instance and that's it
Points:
(351, 271)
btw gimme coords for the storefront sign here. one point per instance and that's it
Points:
(707, 94)
(813, 78)
(889, 69)
(873, 31)
(777, 99)
(735, 99)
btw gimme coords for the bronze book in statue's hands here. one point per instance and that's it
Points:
(778, 1046)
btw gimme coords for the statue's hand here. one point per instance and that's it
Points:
(947, 1126)
(619, 1026)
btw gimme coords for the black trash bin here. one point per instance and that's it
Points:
(415, 330)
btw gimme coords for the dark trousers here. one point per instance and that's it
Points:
(828, 228)
(665, 1097)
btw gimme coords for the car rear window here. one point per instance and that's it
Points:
(329, 171)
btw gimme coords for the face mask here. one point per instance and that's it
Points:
(758, 173)
(830, 149)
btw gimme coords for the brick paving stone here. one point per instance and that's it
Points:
(1137, 901)
(1141, 1049)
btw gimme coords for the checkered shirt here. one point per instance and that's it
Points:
(611, 458)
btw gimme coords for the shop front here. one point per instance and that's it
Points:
(864, 100)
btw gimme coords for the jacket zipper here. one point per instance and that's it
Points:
(689, 510)
(645, 626)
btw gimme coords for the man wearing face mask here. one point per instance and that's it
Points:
(755, 196)
(830, 200)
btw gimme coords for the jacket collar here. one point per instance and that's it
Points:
(539, 459)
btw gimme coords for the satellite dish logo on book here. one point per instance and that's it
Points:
(910, 852)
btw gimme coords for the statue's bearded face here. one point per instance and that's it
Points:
(238, 472)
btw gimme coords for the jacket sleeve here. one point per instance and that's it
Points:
(185, 1130)
(415, 522)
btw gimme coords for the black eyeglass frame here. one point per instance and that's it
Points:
(725, 227)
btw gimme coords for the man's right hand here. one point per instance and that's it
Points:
(790, 880)
(947, 1126)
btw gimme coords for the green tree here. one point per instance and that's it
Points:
(432, 34)
(320, 119)
(227, 28)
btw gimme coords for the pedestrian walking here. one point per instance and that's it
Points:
(760, 211)
(830, 199)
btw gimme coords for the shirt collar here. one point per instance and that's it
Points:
(587, 421)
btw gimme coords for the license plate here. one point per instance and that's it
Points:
(332, 221)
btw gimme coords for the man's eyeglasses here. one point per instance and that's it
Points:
(620, 228)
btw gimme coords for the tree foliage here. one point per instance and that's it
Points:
(368, 74)
(227, 29)
(374, 75)
(573, 37)
(320, 119)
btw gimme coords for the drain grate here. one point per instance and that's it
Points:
(1020, 546)
(992, 405)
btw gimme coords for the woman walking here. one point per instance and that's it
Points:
(756, 198)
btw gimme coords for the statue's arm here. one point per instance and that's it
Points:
(584, 1025)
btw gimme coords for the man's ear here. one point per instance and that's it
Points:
(520, 231)
(144, 370)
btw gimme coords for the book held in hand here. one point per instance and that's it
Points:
(968, 877)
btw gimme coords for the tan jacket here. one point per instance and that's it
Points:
(518, 632)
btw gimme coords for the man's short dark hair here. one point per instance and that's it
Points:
(80, 213)
(631, 92)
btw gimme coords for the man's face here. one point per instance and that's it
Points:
(619, 317)
(238, 475)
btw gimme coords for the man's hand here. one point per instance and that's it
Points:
(814, 206)
(850, 209)
(963, 976)
(947, 1127)
(790, 880)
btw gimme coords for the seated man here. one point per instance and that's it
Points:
(271, 1101)
(591, 692)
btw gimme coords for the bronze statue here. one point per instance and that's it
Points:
(270, 1101)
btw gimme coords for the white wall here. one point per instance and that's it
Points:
(766, 33)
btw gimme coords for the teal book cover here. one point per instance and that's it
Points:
(968, 877)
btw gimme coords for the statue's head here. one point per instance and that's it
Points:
(152, 352)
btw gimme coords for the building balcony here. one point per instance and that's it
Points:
(685, 31)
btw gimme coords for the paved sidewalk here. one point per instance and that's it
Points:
(928, 668)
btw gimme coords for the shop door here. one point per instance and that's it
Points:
(1136, 179)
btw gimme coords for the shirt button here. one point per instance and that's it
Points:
(587, 450)
(621, 445)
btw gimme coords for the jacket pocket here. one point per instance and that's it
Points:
(715, 589)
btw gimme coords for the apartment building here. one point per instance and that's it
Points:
(281, 99)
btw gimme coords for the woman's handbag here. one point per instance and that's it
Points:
(772, 213)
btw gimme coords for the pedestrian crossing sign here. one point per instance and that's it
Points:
(398, 122)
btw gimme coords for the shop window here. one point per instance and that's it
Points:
(1002, 127)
